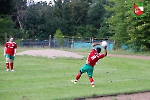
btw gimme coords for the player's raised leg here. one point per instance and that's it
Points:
(92, 81)
(77, 77)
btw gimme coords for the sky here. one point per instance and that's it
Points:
(41, 0)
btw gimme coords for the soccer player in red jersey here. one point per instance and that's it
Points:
(10, 52)
(91, 61)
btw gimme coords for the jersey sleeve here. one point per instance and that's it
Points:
(15, 45)
(102, 55)
(93, 50)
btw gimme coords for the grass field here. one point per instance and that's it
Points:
(39, 78)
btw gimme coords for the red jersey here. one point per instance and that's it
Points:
(94, 57)
(10, 48)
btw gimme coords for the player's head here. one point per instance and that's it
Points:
(11, 39)
(98, 49)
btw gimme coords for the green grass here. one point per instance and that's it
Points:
(39, 78)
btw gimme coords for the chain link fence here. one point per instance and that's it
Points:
(62, 42)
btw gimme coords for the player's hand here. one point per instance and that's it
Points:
(105, 47)
(4, 54)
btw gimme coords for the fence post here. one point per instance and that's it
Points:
(92, 39)
(49, 41)
(72, 41)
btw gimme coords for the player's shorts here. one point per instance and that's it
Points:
(10, 56)
(87, 68)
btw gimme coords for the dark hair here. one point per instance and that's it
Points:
(98, 49)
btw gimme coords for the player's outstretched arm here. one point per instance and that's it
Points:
(15, 51)
(105, 50)
(4, 51)
(96, 43)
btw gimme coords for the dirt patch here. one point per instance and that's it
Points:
(137, 96)
(50, 53)
(58, 53)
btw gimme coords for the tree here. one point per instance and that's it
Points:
(7, 7)
(20, 11)
(71, 18)
(95, 14)
(118, 21)
(128, 29)
(59, 37)
(96, 17)
(139, 32)
(73, 12)
(35, 19)
(6, 26)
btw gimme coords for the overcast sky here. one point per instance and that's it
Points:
(43, 0)
(39, 1)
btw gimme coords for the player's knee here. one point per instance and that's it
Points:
(89, 75)
(7, 59)
(81, 72)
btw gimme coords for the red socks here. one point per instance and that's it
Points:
(11, 65)
(7, 65)
(92, 81)
(78, 76)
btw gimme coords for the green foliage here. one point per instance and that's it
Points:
(74, 13)
(23, 34)
(7, 7)
(6, 26)
(96, 17)
(78, 11)
(86, 31)
(117, 21)
(139, 35)
(40, 20)
(78, 35)
(95, 14)
(70, 17)
(10, 13)
(59, 37)
(126, 28)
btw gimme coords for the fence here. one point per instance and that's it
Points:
(64, 42)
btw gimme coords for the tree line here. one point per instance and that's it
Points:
(111, 19)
